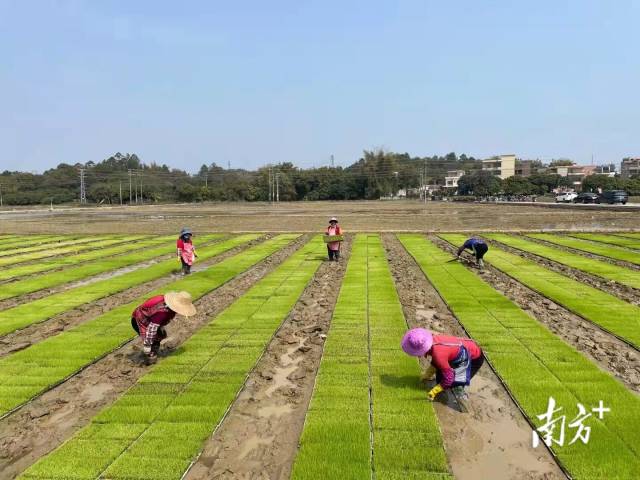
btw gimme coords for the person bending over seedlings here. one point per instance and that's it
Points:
(186, 251)
(333, 248)
(150, 318)
(478, 247)
(454, 360)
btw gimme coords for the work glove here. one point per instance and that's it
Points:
(434, 392)
(428, 373)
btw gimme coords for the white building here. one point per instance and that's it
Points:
(503, 166)
(451, 180)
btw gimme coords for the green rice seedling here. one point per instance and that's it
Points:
(55, 243)
(11, 242)
(85, 343)
(88, 244)
(599, 268)
(605, 310)
(537, 364)
(610, 239)
(609, 251)
(12, 319)
(80, 272)
(188, 410)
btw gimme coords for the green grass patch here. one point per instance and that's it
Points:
(186, 412)
(609, 251)
(536, 364)
(605, 310)
(599, 268)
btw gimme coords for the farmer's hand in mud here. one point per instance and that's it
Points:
(428, 373)
(431, 396)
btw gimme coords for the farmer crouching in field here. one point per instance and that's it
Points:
(186, 251)
(150, 318)
(333, 248)
(478, 247)
(454, 360)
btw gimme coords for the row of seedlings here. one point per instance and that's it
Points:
(56, 263)
(11, 257)
(607, 251)
(34, 370)
(184, 397)
(40, 310)
(407, 441)
(368, 417)
(603, 309)
(535, 365)
(10, 242)
(621, 241)
(153, 249)
(609, 271)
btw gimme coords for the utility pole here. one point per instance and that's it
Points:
(426, 180)
(206, 180)
(1, 195)
(130, 196)
(135, 185)
(120, 192)
(270, 191)
(277, 187)
(332, 162)
(141, 196)
(83, 193)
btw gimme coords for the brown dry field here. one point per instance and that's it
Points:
(312, 216)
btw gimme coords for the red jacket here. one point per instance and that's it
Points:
(441, 355)
(150, 316)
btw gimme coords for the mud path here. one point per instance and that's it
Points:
(493, 440)
(37, 332)
(624, 292)
(610, 354)
(42, 425)
(258, 439)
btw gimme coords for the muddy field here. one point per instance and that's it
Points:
(312, 216)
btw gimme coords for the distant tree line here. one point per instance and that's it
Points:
(125, 178)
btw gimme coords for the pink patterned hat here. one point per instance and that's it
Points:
(417, 341)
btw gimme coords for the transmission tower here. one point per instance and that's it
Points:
(83, 192)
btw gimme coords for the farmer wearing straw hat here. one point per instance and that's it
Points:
(478, 247)
(150, 318)
(333, 248)
(186, 251)
(454, 360)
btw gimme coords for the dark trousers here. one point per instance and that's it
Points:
(186, 268)
(333, 254)
(479, 250)
(476, 364)
(162, 334)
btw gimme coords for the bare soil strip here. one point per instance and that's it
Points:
(624, 292)
(37, 332)
(45, 423)
(476, 442)
(259, 437)
(607, 351)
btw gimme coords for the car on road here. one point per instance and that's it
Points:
(614, 196)
(566, 197)
(587, 197)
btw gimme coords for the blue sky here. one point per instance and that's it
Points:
(187, 83)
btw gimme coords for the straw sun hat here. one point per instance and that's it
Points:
(180, 302)
(417, 341)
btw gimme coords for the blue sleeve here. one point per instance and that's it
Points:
(468, 243)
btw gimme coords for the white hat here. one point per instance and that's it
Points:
(180, 302)
(333, 219)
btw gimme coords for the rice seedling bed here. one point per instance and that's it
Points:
(187, 395)
(609, 251)
(603, 309)
(599, 268)
(610, 239)
(152, 249)
(58, 243)
(14, 318)
(34, 370)
(11, 242)
(368, 415)
(534, 364)
(90, 244)
(128, 244)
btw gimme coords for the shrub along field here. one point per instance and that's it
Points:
(365, 414)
